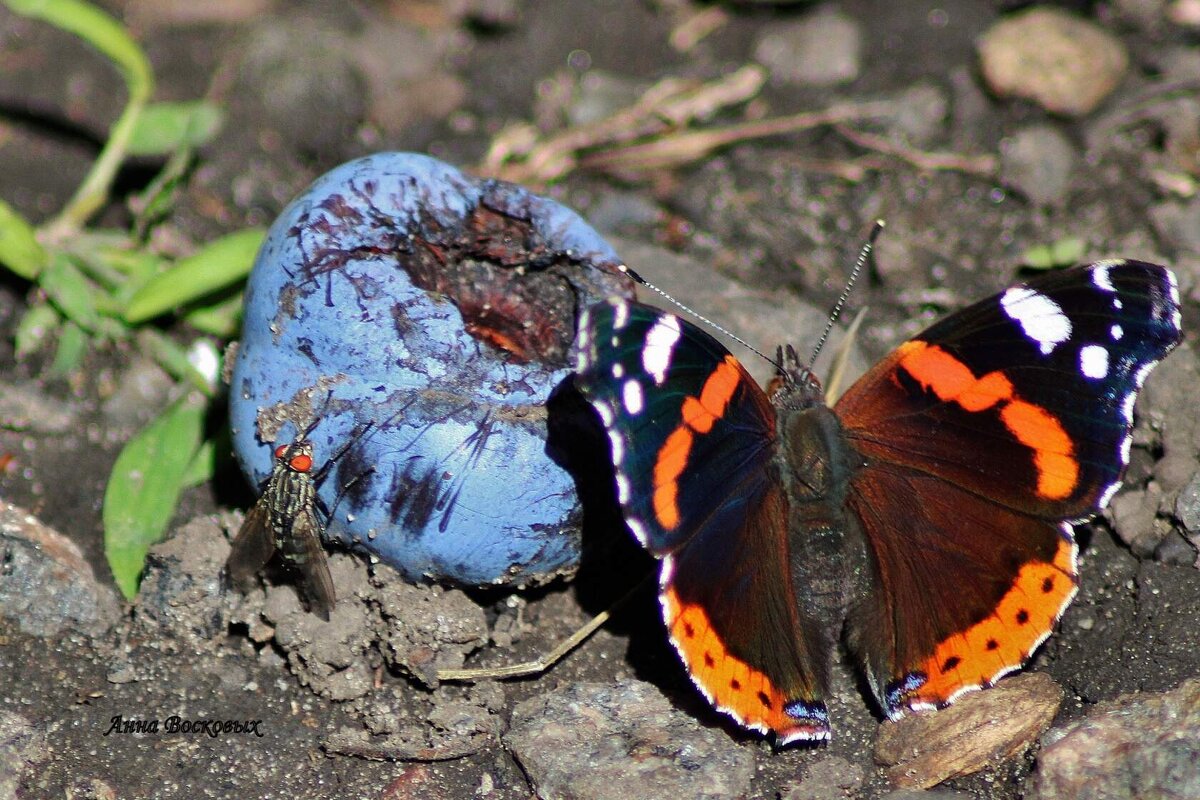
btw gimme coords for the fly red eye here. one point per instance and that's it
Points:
(301, 463)
(279, 451)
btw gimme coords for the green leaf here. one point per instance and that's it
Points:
(19, 248)
(145, 484)
(220, 264)
(72, 344)
(172, 357)
(35, 328)
(1062, 253)
(163, 128)
(221, 319)
(70, 291)
(203, 465)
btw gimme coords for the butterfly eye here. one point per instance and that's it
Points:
(279, 451)
(301, 463)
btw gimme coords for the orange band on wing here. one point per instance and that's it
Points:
(953, 381)
(1003, 641)
(699, 415)
(730, 684)
(672, 458)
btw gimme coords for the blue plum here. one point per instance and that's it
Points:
(414, 321)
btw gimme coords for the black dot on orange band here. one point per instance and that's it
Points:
(688, 630)
(1048, 585)
(708, 661)
(766, 701)
(992, 644)
(950, 663)
(1022, 617)
(735, 684)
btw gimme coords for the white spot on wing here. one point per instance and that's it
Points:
(1117, 332)
(1100, 276)
(1140, 376)
(620, 315)
(1173, 285)
(631, 396)
(606, 414)
(618, 452)
(623, 493)
(1127, 408)
(1040, 318)
(1093, 362)
(667, 573)
(639, 531)
(660, 343)
(618, 370)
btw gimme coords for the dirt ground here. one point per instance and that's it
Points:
(308, 85)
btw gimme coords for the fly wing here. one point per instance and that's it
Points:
(308, 557)
(252, 547)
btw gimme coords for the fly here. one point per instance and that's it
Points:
(287, 519)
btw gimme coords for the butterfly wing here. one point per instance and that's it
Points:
(693, 441)
(983, 439)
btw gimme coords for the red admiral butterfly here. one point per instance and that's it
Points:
(928, 512)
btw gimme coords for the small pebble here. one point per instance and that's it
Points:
(1062, 62)
(822, 49)
(1038, 161)
(1140, 745)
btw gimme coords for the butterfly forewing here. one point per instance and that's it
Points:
(670, 397)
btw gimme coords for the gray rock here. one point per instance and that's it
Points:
(427, 628)
(921, 113)
(24, 407)
(1136, 746)
(1166, 407)
(180, 596)
(1038, 161)
(331, 658)
(1133, 513)
(23, 749)
(1062, 62)
(47, 586)
(1178, 223)
(590, 740)
(822, 49)
(831, 778)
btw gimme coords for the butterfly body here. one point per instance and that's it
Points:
(926, 516)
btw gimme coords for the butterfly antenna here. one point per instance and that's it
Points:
(696, 314)
(863, 255)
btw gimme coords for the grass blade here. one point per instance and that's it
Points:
(19, 248)
(145, 484)
(221, 263)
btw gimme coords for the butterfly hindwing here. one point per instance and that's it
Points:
(693, 440)
(983, 438)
